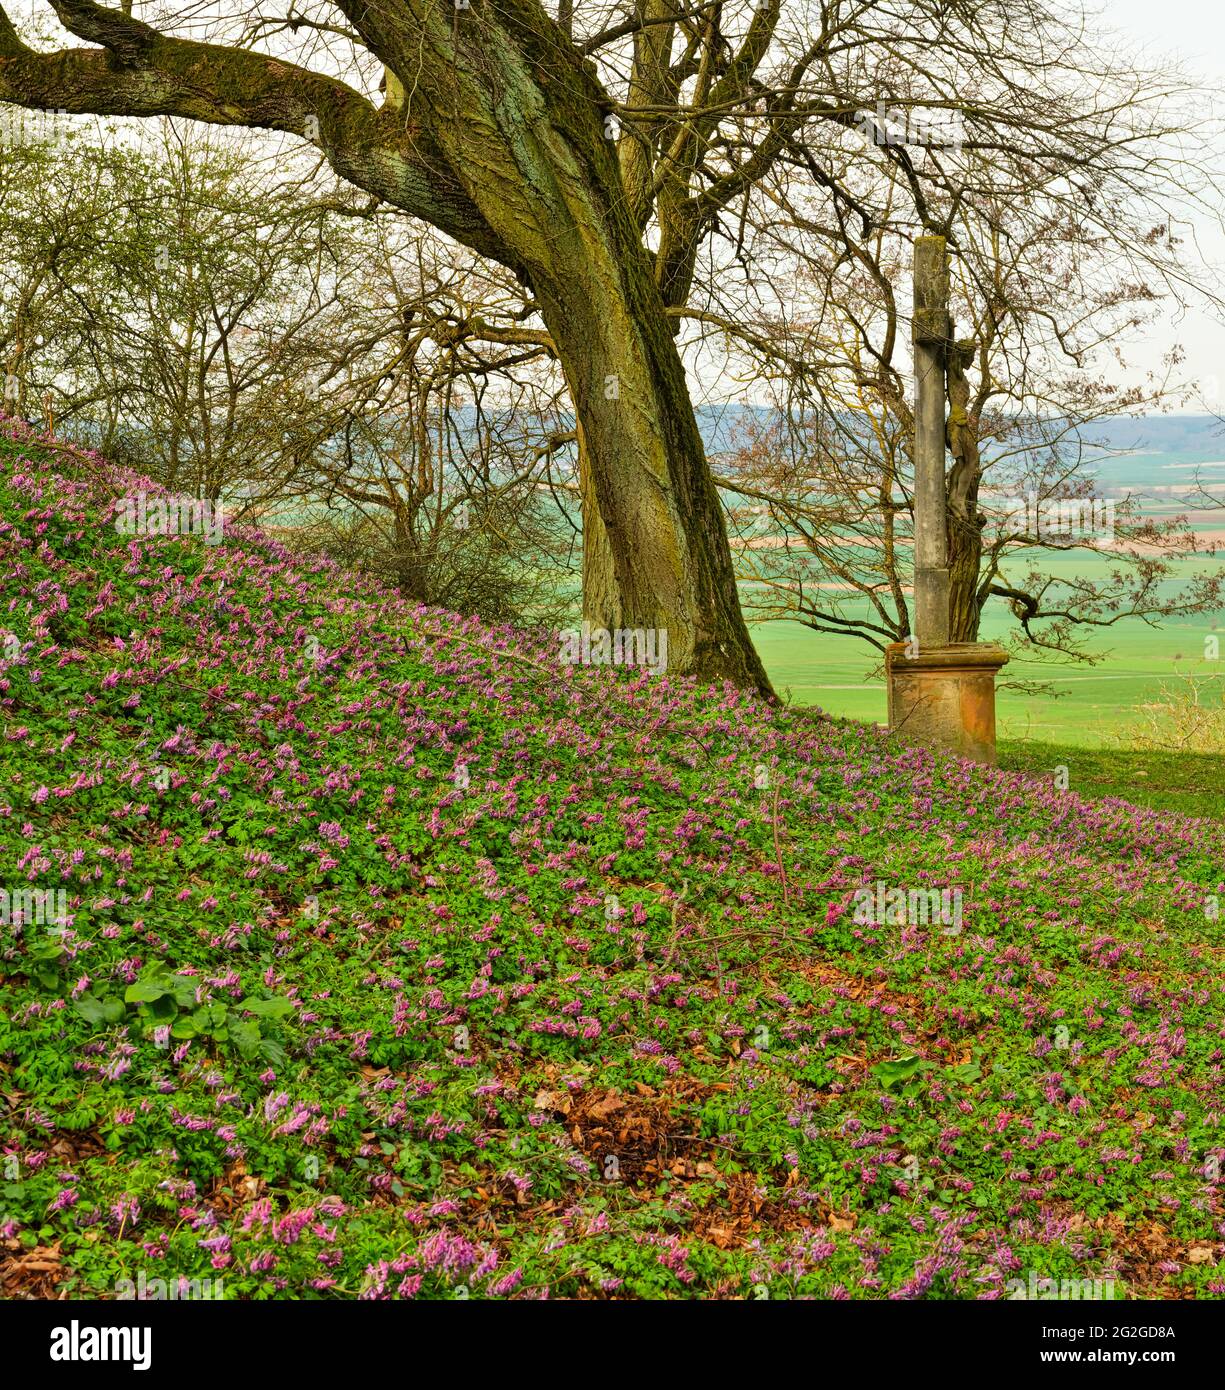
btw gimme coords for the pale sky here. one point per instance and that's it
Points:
(1193, 28)
(1193, 31)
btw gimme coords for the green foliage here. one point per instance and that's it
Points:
(322, 1021)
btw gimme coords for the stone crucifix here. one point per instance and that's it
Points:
(941, 694)
(931, 332)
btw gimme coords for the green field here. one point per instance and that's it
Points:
(1192, 784)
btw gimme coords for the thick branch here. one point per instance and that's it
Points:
(141, 72)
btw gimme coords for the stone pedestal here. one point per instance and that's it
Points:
(945, 697)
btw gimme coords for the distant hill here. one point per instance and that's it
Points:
(1162, 434)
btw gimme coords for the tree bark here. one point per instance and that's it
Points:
(651, 514)
(965, 523)
(601, 602)
(535, 158)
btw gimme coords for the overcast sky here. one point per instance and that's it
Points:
(1194, 28)
(1193, 31)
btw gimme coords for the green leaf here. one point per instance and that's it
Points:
(965, 1072)
(899, 1069)
(145, 991)
(184, 989)
(163, 1009)
(244, 1033)
(267, 1008)
(95, 1010)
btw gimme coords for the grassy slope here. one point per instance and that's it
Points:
(411, 962)
(1192, 784)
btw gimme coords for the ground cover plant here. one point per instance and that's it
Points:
(396, 959)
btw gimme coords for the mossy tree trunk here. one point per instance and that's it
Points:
(522, 121)
(965, 523)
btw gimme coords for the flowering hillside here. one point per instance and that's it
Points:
(355, 949)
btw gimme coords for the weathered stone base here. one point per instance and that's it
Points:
(945, 697)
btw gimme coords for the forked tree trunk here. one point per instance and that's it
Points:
(601, 602)
(655, 550)
(522, 122)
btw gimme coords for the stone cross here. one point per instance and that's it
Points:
(931, 332)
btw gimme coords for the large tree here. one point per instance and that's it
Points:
(616, 158)
(494, 132)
